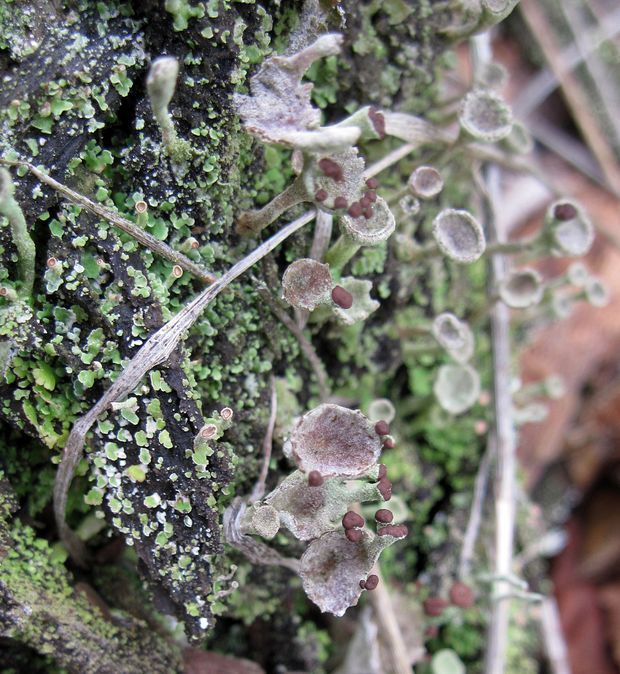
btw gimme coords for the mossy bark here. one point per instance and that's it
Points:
(73, 100)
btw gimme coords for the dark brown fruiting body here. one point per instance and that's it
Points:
(564, 211)
(384, 516)
(320, 195)
(340, 202)
(355, 209)
(368, 212)
(382, 427)
(315, 479)
(396, 530)
(342, 297)
(352, 520)
(354, 535)
(365, 202)
(371, 582)
(331, 169)
(389, 443)
(385, 488)
(461, 595)
(372, 183)
(382, 470)
(371, 196)
(434, 606)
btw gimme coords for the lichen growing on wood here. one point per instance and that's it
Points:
(165, 461)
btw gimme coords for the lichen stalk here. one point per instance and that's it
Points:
(253, 222)
(341, 252)
(19, 229)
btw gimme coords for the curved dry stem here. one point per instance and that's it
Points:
(304, 343)
(259, 488)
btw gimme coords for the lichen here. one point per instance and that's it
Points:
(145, 478)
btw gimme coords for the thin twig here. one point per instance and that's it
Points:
(390, 159)
(322, 235)
(553, 638)
(518, 164)
(259, 487)
(117, 220)
(304, 343)
(388, 625)
(505, 491)
(475, 515)
(576, 98)
(155, 351)
(506, 462)
(385, 615)
(566, 147)
(545, 82)
(600, 81)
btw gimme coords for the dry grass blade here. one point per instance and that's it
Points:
(577, 99)
(140, 235)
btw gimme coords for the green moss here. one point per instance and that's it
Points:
(234, 347)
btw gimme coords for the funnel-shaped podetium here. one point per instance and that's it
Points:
(596, 293)
(335, 441)
(381, 409)
(569, 228)
(334, 569)
(485, 116)
(578, 274)
(459, 235)
(492, 76)
(362, 304)
(160, 85)
(335, 181)
(454, 336)
(261, 519)
(371, 226)
(457, 388)
(425, 182)
(409, 205)
(521, 288)
(309, 510)
(561, 305)
(306, 284)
